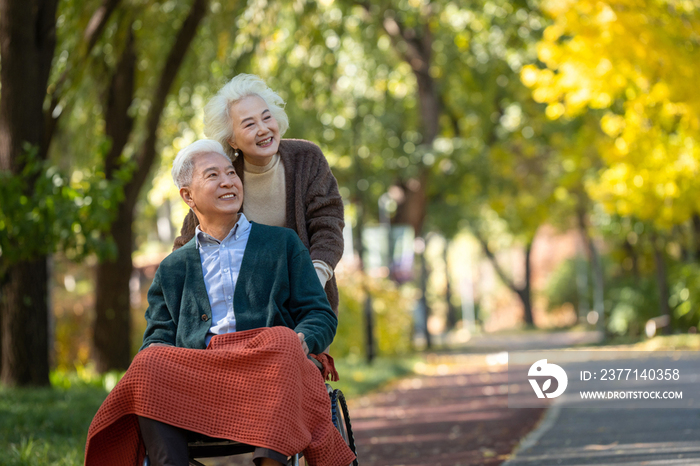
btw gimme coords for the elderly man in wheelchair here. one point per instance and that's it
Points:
(233, 316)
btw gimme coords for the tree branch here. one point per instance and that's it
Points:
(46, 36)
(414, 55)
(417, 55)
(496, 266)
(97, 23)
(174, 61)
(94, 29)
(118, 123)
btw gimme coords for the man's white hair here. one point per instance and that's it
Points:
(218, 124)
(183, 165)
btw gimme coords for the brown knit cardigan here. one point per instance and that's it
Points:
(314, 206)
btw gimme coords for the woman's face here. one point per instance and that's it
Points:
(255, 131)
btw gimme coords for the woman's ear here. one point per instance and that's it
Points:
(186, 195)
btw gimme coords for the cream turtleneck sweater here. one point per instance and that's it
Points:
(264, 196)
(264, 201)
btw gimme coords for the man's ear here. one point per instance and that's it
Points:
(186, 195)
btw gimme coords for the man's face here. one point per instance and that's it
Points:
(215, 190)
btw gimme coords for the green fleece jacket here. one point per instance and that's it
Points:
(277, 286)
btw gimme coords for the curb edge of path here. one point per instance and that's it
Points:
(533, 437)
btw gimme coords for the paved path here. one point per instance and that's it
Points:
(576, 436)
(460, 418)
(639, 435)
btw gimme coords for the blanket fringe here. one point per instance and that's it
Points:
(329, 372)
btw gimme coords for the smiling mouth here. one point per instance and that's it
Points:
(265, 142)
(228, 196)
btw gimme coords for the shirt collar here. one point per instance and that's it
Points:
(241, 226)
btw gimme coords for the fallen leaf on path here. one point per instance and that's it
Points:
(600, 447)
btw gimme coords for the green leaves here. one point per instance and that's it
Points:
(42, 211)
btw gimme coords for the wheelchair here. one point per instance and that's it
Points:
(201, 446)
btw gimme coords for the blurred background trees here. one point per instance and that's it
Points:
(503, 163)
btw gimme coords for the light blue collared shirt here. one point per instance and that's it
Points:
(221, 263)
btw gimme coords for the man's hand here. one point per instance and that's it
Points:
(304, 346)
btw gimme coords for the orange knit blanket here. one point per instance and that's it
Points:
(255, 387)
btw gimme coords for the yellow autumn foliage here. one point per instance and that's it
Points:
(639, 62)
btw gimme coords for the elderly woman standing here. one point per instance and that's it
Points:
(287, 181)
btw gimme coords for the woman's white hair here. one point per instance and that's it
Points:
(183, 165)
(217, 113)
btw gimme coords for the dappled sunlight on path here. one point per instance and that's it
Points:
(457, 415)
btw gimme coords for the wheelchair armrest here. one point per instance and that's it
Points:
(317, 363)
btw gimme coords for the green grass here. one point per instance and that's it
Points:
(681, 342)
(48, 426)
(357, 377)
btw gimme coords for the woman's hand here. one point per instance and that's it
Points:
(304, 346)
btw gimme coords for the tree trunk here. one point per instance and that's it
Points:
(423, 300)
(696, 236)
(27, 43)
(451, 309)
(3, 284)
(368, 307)
(598, 285)
(415, 44)
(662, 280)
(526, 301)
(417, 53)
(358, 232)
(112, 304)
(597, 270)
(25, 322)
(524, 292)
(112, 327)
(632, 254)
(412, 207)
(582, 288)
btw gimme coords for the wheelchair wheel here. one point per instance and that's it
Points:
(341, 420)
